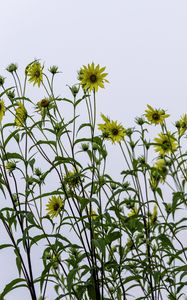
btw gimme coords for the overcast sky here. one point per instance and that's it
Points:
(142, 43)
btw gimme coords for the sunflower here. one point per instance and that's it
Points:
(116, 132)
(34, 72)
(155, 116)
(42, 107)
(112, 130)
(183, 124)
(21, 115)
(92, 77)
(165, 143)
(2, 109)
(54, 206)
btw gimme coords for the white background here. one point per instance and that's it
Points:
(143, 44)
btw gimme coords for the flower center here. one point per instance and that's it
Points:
(155, 116)
(93, 78)
(56, 206)
(37, 74)
(44, 103)
(115, 131)
(166, 145)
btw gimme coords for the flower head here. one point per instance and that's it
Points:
(34, 73)
(165, 143)
(92, 77)
(155, 116)
(112, 130)
(21, 115)
(116, 132)
(2, 109)
(54, 206)
(43, 106)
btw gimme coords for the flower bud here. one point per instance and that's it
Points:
(95, 146)
(10, 94)
(140, 120)
(12, 68)
(113, 185)
(2, 80)
(10, 166)
(53, 70)
(129, 131)
(85, 147)
(37, 172)
(74, 89)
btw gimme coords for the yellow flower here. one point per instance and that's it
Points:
(155, 116)
(92, 77)
(166, 143)
(2, 109)
(160, 164)
(42, 107)
(21, 115)
(183, 124)
(116, 132)
(112, 130)
(34, 72)
(54, 206)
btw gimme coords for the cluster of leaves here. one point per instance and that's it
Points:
(98, 237)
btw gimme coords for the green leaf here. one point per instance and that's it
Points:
(12, 155)
(112, 236)
(84, 125)
(165, 241)
(100, 244)
(12, 134)
(31, 162)
(12, 285)
(5, 246)
(53, 143)
(70, 278)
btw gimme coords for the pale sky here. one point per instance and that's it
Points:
(142, 43)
